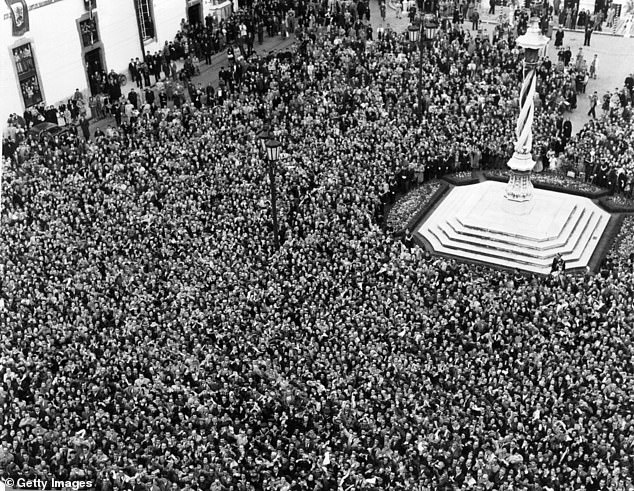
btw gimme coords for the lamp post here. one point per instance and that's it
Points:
(271, 149)
(273, 154)
(429, 26)
(519, 187)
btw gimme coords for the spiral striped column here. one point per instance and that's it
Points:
(519, 187)
(524, 127)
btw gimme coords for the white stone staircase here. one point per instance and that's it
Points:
(477, 223)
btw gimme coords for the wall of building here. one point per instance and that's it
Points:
(119, 33)
(167, 20)
(587, 5)
(218, 8)
(10, 100)
(57, 47)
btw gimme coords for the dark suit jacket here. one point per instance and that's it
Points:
(567, 129)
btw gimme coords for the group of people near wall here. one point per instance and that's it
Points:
(605, 149)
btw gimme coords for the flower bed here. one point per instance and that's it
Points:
(617, 204)
(554, 182)
(461, 178)
(624, 242)
(497, 175)
(407, 210)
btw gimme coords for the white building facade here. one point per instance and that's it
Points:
(49, 47)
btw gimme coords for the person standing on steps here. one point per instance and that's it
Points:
(558, 265)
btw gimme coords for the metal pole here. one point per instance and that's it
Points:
(420, 75)
(276, 236)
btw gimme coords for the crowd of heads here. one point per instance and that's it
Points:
(605, 146)
(240, 29)
(65, 114)
(154, 336)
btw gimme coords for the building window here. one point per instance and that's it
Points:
(89, 32)
(145, 18)
(23, 57)
(27, 75)
(31, 92)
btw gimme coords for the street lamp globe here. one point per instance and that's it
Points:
(431, 27)
(273, 150)
(414, 33)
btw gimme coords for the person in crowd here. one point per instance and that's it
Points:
(558, 265)
(85, 127)
(78, 96)
(133, 98)
(134, 71)
(475, 20)
(609, 20)
(594, 99)
(594, 66)
(588, 29)
(559, 37)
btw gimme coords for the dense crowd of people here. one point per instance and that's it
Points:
(65, 114)
(604, 147)
(155, 338)
(236, 32)
(179, 60)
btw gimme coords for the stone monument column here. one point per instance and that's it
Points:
(521, 164)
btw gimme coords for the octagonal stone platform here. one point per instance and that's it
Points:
(477, 223)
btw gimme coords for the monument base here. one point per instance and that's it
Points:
(519, 187)
(476, 222)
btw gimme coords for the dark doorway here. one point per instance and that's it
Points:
(194, 14)
(94, 70)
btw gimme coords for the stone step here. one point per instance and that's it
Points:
(501, 214)
(576, 255)
(577, 215)
(582, 226)
(467, 223)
